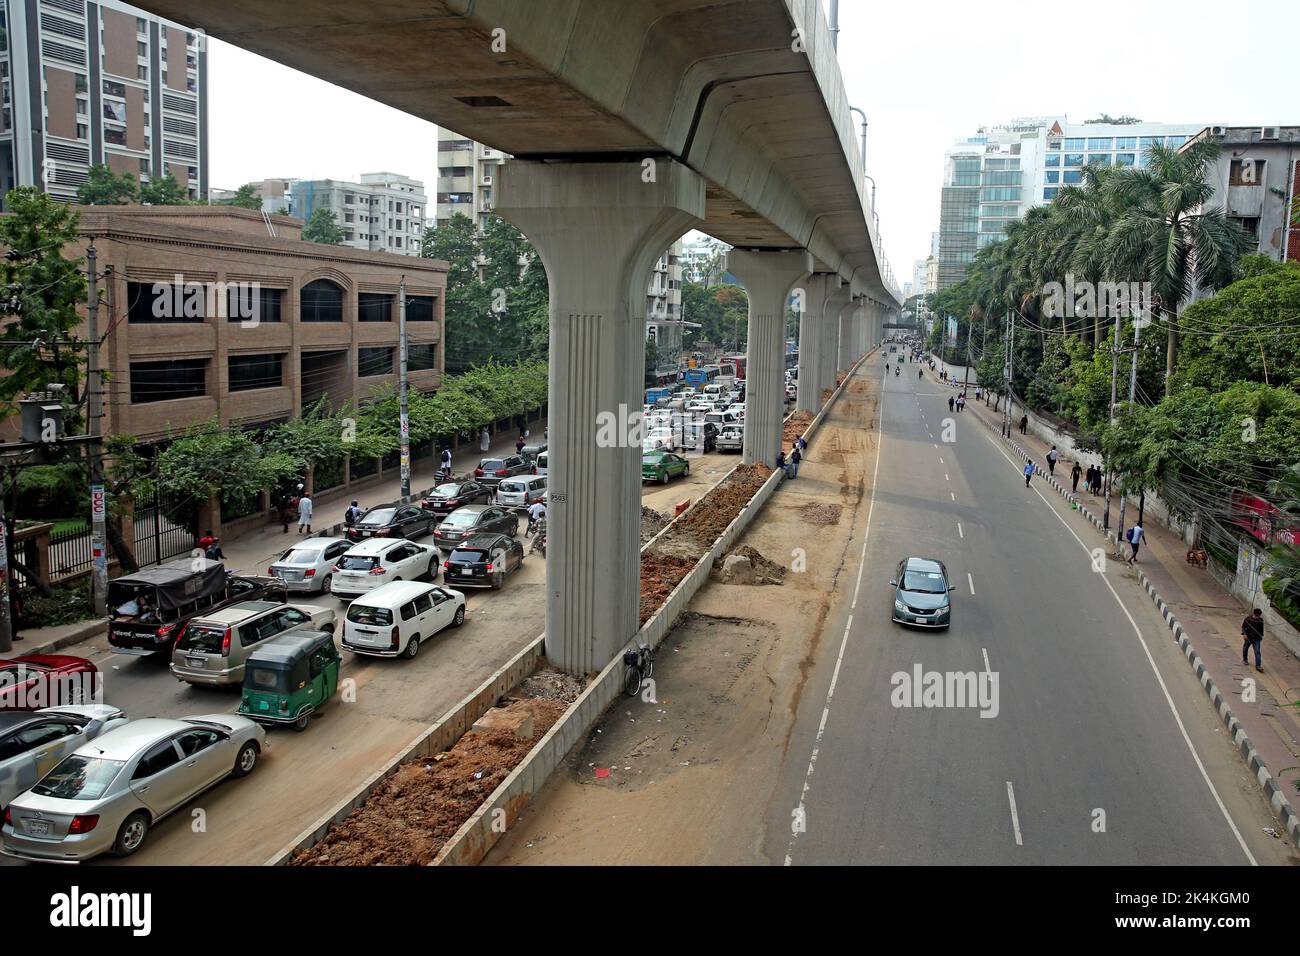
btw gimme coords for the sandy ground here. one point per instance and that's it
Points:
(690, 775)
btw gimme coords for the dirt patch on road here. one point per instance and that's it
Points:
(660, 574)
(820, 514)
(548, 684)
(652, 522)
(411, 815)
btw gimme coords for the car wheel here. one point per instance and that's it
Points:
(246, 760)
(459, 619)
(687, 472)
(432, 572)
(131, 834)
(663, 477)
(325, 583)
(302, 722)
(412, 647)
(496, 581)
(328, 628)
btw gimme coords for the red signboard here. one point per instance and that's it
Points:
(1262, 520)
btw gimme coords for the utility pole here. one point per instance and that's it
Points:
(403, 405)
(970, 327)
(1009, 365)
(94, 412)
(1114, 380)
(6, 622)
(1132, 393)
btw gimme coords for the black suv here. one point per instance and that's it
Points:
(490, 471)
(482, 560)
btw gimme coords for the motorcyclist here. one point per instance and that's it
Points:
(536, 513)
(897, 371)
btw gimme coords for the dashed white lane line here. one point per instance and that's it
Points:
(940, 458)
(1169, 700)
(1015, 817)
(987, 668)
(839, 659)
(945, 477)
(951, 495)
(960, 533)
(970, 581)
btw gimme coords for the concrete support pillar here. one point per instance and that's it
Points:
(812, 332)
(768, 277)
(599, 227)
(860, 329)
(844, 357)
(830, 358)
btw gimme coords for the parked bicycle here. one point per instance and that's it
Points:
(640, 665)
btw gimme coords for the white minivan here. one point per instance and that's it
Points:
(522, 491)
(392, 620)
(540, 465)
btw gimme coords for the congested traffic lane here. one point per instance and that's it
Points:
(389, 703)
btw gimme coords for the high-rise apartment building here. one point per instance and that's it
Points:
(466, 177)
(89, 83)
(382, 213)
(993, 178)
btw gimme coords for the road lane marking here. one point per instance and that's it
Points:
(987, 669)
(1173, 708)
(1015, 817)
(954, 497)
(960, 533)
(940, 457)
(844, 642)
(971, 581)
(945, 477)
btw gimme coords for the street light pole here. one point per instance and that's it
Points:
(94, 411)
(854, 109)
(403, 406)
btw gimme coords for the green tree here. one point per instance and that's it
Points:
(41, 291)
(323, 227)
(469, 335)
(246, 197)
(163, 191)
(103, 187)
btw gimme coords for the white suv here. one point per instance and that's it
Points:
(392, 621)
(377, 561)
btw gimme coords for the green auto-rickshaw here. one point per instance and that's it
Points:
(289, 677)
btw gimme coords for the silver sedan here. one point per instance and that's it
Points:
(33, 742)
(107, 794)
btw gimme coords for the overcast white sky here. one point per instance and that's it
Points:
(926, 72)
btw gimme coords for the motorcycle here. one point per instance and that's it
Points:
(533, 524)
(539, 538)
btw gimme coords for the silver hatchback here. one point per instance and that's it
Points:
(107, 794)
(522, 491)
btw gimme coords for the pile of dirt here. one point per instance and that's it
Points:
(840, 377)
(819, 514)
(795, 426)
(717, 509)
(652, 522)
(548, 684)
(660, 574)
(755, 569)
(826, 394)
(412, 814)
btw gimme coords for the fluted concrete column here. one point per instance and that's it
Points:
(848, 313)
(599, 227)
(768, 277)
(812, 332)
(830, 358)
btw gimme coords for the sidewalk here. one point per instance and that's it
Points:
(254, 550)
(1210, 620)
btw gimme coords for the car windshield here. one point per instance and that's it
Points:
(79, 778)
(447, 491)
(924, 582)
(365, 614)
(459, 519)
(206, 638)
(379, 516)
(358, 562)
(300, 556)
(468, 555)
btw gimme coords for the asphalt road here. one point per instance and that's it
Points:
(1103, 749)
(304, 775)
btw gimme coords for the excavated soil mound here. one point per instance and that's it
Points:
(795, 426)
(660, 574)
(764, 568)
(552, 685)
(820, 514)
(408, 817)
(652, 522)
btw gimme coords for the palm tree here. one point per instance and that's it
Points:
(1086, 214)
(1166, 235)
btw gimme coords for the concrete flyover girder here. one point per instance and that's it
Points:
(768, 278)
(748, 93)
(599, 227)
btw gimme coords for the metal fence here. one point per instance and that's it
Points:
(158, 537)
(70, 551)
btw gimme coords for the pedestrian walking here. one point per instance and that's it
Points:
(484, 440)
(1052, 456)
(1252, 635)
(961, 402)
(446, 460)
(801, 443)
(1075, 472)
(1024, 423)
(1134, 537)
(304, 513)
(1029, 472)
(796, 456)
(353, 514)
(951, 402)
(1096, 480)
(519, 445)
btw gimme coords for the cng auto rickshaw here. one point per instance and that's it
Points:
(290, 677)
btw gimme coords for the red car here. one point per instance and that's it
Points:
(46, 680)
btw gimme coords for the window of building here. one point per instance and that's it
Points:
(141, 72)
(144, 165)
(1074, 144)
(82, 131)
(1099, 159)
(1126, 142)
(1125, 159)
(1074, 159)
(420, 358)
(140, 25)
(321, 301)
(248, 372)
(375, 306)
(419, 308)
(1000, 194)
(1146, 141)
(1073, 176)
(246, 304)
(1053, 176)
(1246, 172)
(165, 302)
(1250, 226)
(1052, 160)
(167, 381)
(141, 48)
(1050, 193)
(992, 225)
(375, 361)
(1173, 142)
(1101, 142)
(115, 111)
(113, 88)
